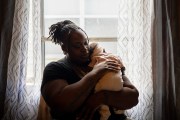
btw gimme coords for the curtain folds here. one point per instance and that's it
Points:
(6, 24)
(134, 47)
(175, 21)
(145, 37)
(24, 70)
(163, 61)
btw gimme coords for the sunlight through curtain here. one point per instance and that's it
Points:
(24, 63)
(134, 47)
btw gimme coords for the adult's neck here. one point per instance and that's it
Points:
(76, 63)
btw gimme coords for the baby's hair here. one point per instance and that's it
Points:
(60, 32)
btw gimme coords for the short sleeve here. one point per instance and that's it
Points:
(53, 71)
(57, 70)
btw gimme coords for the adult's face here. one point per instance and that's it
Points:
(78, 49)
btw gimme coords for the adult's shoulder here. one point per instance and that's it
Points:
(55, 64)
(60, 69)
(54, 70)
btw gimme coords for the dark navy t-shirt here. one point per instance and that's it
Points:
(62, 69)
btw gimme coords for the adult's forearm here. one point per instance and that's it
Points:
(124, 99)
(127, 83)
(74, 95)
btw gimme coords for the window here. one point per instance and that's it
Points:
(99, 18)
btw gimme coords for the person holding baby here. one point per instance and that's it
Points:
(68, 85)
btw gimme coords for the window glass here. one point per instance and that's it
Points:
(97, 17)
(101, 7)
(61, 7)
(100, 27)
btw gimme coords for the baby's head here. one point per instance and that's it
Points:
(95, 49)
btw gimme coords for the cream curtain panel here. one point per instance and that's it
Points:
(134, 47)
(24, 63)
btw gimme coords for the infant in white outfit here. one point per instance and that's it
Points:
(111, 81)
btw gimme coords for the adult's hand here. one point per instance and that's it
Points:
(107, 65)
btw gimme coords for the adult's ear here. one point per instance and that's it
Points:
(64, 48)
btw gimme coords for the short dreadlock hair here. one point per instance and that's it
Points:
(60, 32)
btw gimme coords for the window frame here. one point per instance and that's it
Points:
(81, 18)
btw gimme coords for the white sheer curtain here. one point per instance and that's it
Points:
(134, 47)
(24, 63)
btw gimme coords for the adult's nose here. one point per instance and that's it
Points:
(84, 48)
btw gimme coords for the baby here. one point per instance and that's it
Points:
(111, 81)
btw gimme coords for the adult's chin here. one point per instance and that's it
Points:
(84, 61)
